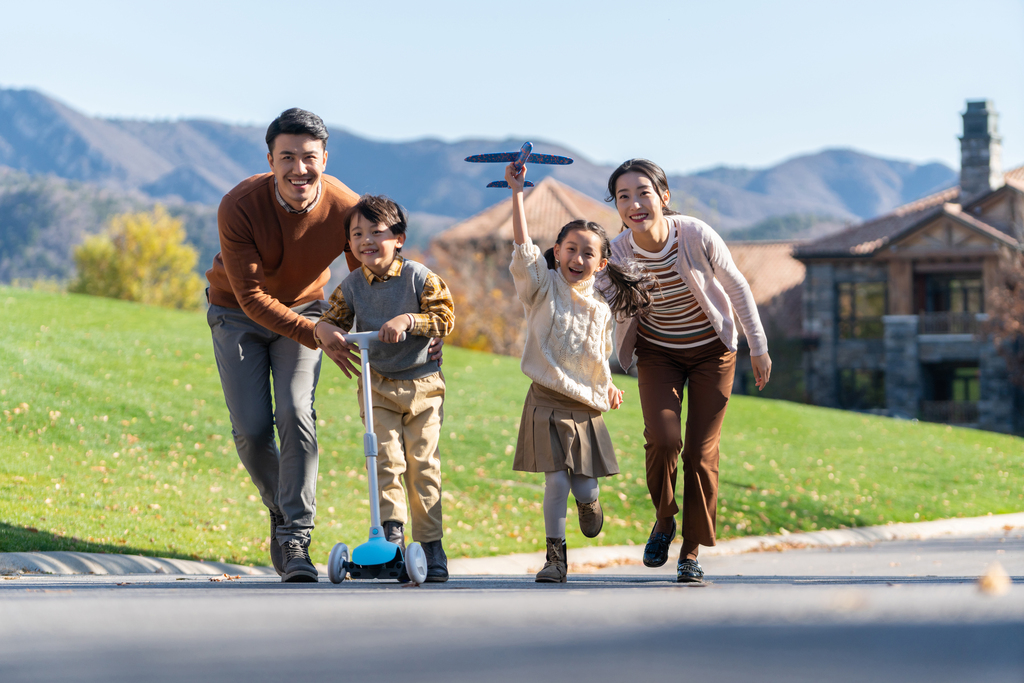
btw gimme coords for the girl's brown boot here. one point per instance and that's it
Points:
(555, 568)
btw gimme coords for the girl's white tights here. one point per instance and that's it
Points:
(556, 496)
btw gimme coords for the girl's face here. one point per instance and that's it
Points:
(579, 256)
(638, 202)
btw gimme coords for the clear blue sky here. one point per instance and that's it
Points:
(688, 84)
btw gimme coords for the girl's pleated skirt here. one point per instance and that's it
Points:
(558, 433)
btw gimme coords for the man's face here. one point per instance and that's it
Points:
(297, 162)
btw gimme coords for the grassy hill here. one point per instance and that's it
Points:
(116, 438)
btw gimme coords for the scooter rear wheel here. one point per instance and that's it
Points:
(337, 563)
(416, 563)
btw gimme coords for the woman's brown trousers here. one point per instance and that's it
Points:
(708, 372)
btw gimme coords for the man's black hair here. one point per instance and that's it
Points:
(297, 121)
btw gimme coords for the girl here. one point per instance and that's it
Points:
(687, 337)
(568, 341)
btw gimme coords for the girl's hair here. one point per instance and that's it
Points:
(631, 284)
(646, 168)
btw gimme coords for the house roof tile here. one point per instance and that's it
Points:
(549, 206)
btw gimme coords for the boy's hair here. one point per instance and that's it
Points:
(631, 284)
(297, 121)
(381, 210)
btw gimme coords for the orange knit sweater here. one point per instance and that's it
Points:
(271, 260)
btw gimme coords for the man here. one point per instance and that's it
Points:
(279, 233)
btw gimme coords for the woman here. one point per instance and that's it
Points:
(687, 338)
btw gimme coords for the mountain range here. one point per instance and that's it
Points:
(194, 162)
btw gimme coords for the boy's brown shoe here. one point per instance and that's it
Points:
(554, 570)
(591, 518)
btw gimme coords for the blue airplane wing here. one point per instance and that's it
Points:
(548, 159)
(503, 183)
(497, 157)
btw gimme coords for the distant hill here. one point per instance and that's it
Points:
(192, 163)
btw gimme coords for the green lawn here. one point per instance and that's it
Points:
(116, 439)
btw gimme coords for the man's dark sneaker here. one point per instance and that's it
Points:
(394, 532)
(297, 566)
(689, 571)
(437, 562)
(276, 554)
(656, 551)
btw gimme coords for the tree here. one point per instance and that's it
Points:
(1005, 306)
(140, 257)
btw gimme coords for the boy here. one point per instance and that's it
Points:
(394, 295)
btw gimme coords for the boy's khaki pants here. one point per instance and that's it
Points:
(407, 417)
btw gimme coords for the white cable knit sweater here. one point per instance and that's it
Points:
(568, 330)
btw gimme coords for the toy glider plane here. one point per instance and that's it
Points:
(520, 159)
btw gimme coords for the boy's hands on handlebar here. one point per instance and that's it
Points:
(515, 181)
(392, 330)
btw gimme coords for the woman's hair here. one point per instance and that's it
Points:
(646, 168)
(631, 295)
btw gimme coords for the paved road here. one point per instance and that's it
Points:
(900, 611)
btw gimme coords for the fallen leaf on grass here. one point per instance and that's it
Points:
(995, 581)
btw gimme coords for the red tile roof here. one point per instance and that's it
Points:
(549, 206)
(769, 267)
(868, 237)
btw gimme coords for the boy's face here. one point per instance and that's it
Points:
(373, 244)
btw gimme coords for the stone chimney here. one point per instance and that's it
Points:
(981, 167)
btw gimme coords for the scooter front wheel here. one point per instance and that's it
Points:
(337, 563)
(416, 563)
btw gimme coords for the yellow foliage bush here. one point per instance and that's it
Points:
(140, 257)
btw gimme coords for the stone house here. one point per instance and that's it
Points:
(893, 308)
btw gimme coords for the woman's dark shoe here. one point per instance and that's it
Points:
(689, 571)
(656, 551)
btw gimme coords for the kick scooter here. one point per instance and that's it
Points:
(378, 558)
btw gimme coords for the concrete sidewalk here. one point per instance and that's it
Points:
(581, 559)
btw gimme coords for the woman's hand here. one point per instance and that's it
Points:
(515, 181)
(615, 396)
(392, 331)
(762, 366)
(336, 348)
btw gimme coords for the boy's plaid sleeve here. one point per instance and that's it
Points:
(437, 310)
(339, 313)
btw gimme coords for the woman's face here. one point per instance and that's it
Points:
(638, 202)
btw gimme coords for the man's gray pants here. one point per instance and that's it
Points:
(248, 356)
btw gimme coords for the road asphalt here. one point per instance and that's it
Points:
(907, 609)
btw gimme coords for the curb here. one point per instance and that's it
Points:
(65, 562)
(582, 559)
(598, 557)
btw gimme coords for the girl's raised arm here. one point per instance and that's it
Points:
(519, 231)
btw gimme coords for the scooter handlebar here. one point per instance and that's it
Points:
(361, 338)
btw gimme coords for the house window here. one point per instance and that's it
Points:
(951, 393)
(860, 308)
(949, 293)
(861, 389)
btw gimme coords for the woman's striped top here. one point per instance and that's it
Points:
(676, 320)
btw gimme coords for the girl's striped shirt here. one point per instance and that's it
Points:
(676, 320)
